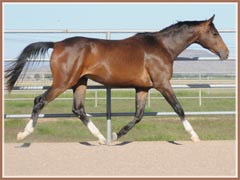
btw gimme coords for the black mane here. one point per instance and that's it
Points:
(181, 24)
(174, 27)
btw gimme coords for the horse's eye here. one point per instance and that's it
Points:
(215, 33)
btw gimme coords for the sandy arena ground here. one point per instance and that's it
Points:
(88, 159)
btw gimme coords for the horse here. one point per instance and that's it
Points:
(142, 61)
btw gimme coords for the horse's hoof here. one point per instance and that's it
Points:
(195, 139)
(114, 136)
(20, 136)
(102, 141)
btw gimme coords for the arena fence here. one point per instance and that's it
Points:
(108, 114)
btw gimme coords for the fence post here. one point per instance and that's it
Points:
(109, 127)
(200, 90)
(149, 98)
(43, 79)
(108, 35)
(200, 96)
(96, 98)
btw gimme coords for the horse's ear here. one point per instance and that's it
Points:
(211, 19)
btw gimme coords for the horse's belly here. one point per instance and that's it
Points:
(121, 72)
(121, 79)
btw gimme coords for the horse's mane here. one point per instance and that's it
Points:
(174, 27)
(179, 25)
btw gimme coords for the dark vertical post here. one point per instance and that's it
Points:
(109, 112)
(109, 126)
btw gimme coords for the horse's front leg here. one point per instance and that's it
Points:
(141, 96)
(79, 92)
(171, 98)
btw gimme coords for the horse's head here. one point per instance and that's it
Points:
(210, 38)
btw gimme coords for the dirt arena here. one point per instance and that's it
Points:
(124, 159)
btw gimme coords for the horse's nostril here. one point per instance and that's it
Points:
(227, 54)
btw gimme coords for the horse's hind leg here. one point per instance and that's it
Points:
(141, 96)
(39, 103)
(79, 92)
(169, 95)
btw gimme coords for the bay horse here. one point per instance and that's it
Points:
(143, 61)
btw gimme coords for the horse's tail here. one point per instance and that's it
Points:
(30, 52)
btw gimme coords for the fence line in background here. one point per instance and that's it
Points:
(13, 116)
(194, 86)
(106, 31)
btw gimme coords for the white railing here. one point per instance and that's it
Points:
(96, 97)
(92, 31)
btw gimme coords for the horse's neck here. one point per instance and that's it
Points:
(175, 43)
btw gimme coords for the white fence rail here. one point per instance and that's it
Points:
(96, 98)
(106, 31)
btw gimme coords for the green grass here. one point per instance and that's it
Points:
(149, 129)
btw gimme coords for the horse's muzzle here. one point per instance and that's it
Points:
(224, 55)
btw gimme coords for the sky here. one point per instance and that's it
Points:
(108, 16)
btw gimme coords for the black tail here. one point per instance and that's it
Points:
(30, 52)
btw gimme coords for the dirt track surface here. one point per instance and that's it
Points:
(207, 158)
